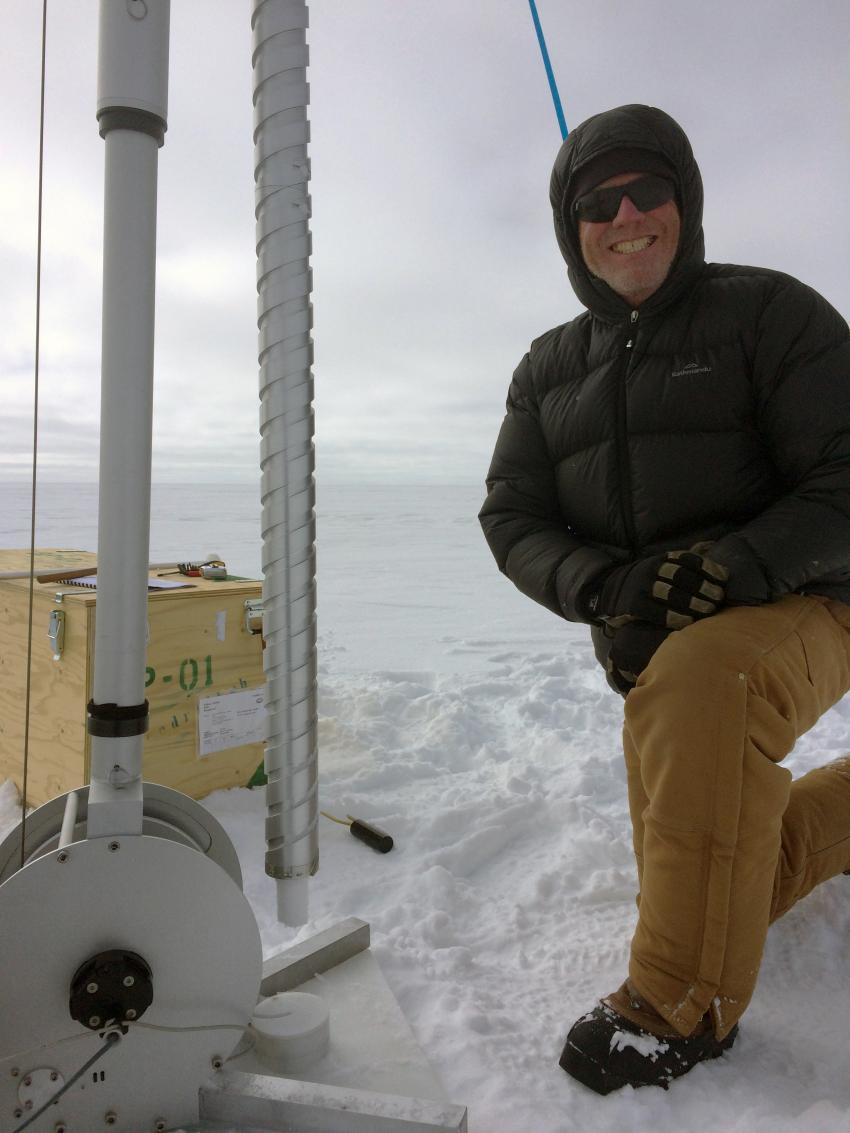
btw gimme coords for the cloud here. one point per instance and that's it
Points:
(433, 135)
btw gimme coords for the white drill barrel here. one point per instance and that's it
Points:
(131, 110)
(132, 66)
(281, 133)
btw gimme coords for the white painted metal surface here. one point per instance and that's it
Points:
(167, 814)
(133, 60)
(132, 76)
(177, 910)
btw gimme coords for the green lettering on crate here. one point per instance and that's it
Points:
(188, 674)
(192, 664)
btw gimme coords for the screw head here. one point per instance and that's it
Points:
(217, 1062)
(94, 1021)
(14, 1071)
(111, 1117)
(128, 981)
(62, 856)
(28, 1080)
(18, 1112)
(159, 1125)
(130, 1014)
(91, 988)
(113, 846)
(60, 1127)
(54, 1077)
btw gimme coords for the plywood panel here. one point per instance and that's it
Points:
(57, 738)
(198, 647)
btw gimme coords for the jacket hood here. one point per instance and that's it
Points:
(629, 127)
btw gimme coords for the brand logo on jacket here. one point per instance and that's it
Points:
(691, 368)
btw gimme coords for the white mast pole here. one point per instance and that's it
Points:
(281, 133)
(131, 111)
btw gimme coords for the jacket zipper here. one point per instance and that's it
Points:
(623, 464)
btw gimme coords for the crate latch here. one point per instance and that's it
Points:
(56, 633)
(254, 615)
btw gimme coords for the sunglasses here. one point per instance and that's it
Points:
(646, 194)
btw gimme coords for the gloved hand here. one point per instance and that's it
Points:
(670, 590)
(747, 583)
(631, 651)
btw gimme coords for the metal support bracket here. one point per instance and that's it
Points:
(253, 616)
(280, 1103)
(397, 1092)
(287, 970)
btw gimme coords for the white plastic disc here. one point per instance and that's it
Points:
(291, 1029)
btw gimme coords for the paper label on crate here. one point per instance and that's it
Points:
(231, 720)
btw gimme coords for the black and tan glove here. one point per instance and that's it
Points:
(632, 649)
(670, 590)
(747, 583)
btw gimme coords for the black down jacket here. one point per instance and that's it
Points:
(718, 411)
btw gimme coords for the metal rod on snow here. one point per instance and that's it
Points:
(281, 173)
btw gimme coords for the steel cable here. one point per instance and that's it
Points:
(40, 210)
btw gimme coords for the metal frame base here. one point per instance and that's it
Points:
(306, 1107)
(371, 1045)
(89, 894)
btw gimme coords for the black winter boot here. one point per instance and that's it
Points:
(625, 1042)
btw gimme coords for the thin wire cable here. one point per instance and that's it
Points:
(179, 1030)
(333, 818)
(111, 1039)
(550, 74)
(34, 437)
(20, 1055)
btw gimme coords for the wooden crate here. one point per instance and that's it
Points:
(198, 649)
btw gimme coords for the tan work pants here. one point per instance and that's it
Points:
(725, 842)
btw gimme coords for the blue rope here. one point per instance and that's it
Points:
(553, 86)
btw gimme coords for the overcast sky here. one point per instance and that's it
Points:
(434, 260)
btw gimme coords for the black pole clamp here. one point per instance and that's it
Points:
(112, 721)
(129, 118)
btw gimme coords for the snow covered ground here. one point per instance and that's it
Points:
(479, 731)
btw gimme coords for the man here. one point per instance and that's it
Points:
(674, 470)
